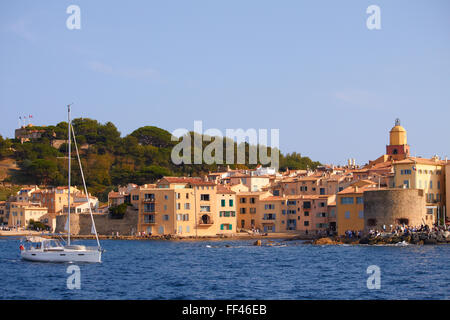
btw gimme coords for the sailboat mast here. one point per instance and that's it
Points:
(68, 206)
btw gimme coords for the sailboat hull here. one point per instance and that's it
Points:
(93, 256)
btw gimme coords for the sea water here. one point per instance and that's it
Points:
(232, 270)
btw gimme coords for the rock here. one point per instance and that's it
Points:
(323, 241)
(447, 235)
(423, 236)
(430, 241)
(257, 243)
(364, 241)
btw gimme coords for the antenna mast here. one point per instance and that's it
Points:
(68, 197)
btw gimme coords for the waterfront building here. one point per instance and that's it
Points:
(226, 207)
(424, 174)
(447, 188)
(350, 207)
(22, 212)
(389, 207)
(185, 207)
(3, 217)
(247, 209)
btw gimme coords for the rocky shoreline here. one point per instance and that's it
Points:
(418, 238)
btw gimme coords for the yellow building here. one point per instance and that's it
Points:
(22, 212)
(447, 188)
(269, 216)
(247, 208)
(226, 220)
(427, 175)
(350, 208)
(184, 207)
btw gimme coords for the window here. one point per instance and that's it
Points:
(166, 217)
(204, 197)
(149, 207)
(347, 200)
(242, 200)
(269, 206)
(361, 214)
(307, 205)
(306, 223)
(149, 218)
(431, 184)
(187, 206)
(242, 210)
(242, 223)
(322, 190)
(359, 200)
(166, 197)
(291, 202)
(187, 195)
(149, 196)
(333, 213)
(135, 198)
(252, 200)
(322, 204)
(222, 202)
(371, 222)
(178, 195)
(347, 214)
(205, 209)
(252, 210)
(188, 229)
(230, 202)
(438, 184)
(269, 216)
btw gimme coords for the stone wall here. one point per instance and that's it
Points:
(80, 224)
(393, 207)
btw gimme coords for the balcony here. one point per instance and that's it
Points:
(205, 221)
(148, 200)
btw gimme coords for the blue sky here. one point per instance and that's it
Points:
(309, 68)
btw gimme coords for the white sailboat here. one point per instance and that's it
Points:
(52, 250)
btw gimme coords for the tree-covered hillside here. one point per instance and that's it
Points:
(109, 159)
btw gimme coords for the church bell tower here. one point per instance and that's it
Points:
(398, 148)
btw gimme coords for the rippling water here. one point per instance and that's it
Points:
(213, 270)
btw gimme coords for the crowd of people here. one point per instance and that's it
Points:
(353, 234)
(404, 229)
